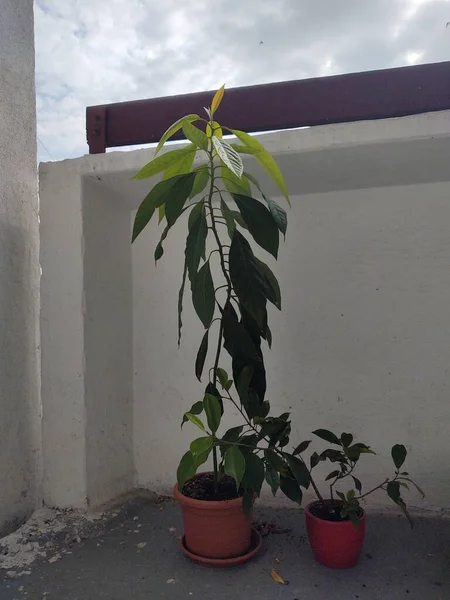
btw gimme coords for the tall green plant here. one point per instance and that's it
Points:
(232, 306)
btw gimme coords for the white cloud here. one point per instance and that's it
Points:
(100, 51)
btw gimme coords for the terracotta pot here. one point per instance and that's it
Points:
(335, 544)
(214, 529)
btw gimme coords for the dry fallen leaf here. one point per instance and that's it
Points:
(277, 577)
(277, 562)
(141, 545)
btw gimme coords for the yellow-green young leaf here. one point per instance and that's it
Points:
(217, 99)
(165, 161)
(234, 184)
(234, 464)
(215, 130)
(173, 129)
(184, 165)
(195, 135)
(213, 411)
(265, 160)
(228, 156)
(194, 419)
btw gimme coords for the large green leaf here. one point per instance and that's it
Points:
(228, 216)
(165, 161)
(213, 411)
(173, 129)
(248, 281)
(200, 181)
(201, 444)
(196, 239)
(180, 302)
(184, 166)
(186, 469)
(179, 193)
(279, 214)
(228, 156)
(201, 356)
(232, 435)
(291, 489)
(264, 158)
(328, 436)
(195, 135)
(254, 473)
(203, 295)
(237, 341)
(155, 198)
(234, 184)
(195, 420)
(299, 470)
(260, 223)
(159, 248)
(234, 464)
(272, 288)
(272, 478)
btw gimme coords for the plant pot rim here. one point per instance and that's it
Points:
(330, 523)
(205, 504)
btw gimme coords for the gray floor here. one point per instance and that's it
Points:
(137, 558)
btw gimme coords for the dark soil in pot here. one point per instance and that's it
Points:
(202, 488)
(329, 512)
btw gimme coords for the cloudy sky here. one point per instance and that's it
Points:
(99, 51)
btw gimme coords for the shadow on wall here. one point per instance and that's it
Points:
(19, 449)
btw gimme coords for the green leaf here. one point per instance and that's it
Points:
(222, 376)
(276, 461)
(358, 484)
(163, 162)
(203, 295)
(248, 281)
(234, 184)
(314, 460)
(291, 489)
(173, 129)
(260, 223)
(326, 435)
(228, 216)
(180, 302)
(196, 409)
(354, 518)
(186, 469)
(201, 444)
(332, 475)
(234, 464)
(184, 165)
(302, 447)
(350, 495)
(238, 218)
(254, 473)
(279, 214)
(159, 251)
(200, 181)
(398, 453)
(195, 420)
(213, 411)
(237, 340)
(161, 213)
(272, 287)
(217, 99)
(346, 439)
(199, 459)
(393, 490)
(272, 478)
(232, 435)
(299, 470)
(195, 135)
(421, 492)
(179, 193)
(201, 356)
(196, 239)
(228, 156)
(264, 158)
(340, 495)
(243, 149)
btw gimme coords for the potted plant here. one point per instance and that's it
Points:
(230, 288)
(336, 523)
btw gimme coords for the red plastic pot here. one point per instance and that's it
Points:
(335, 544)
(216, 529)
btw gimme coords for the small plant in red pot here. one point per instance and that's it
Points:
(336, 523)
(230, 289)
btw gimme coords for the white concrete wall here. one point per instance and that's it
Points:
(361, 345)
(19, 269)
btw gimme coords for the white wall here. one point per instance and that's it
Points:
(19, 268)
(361, 345)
